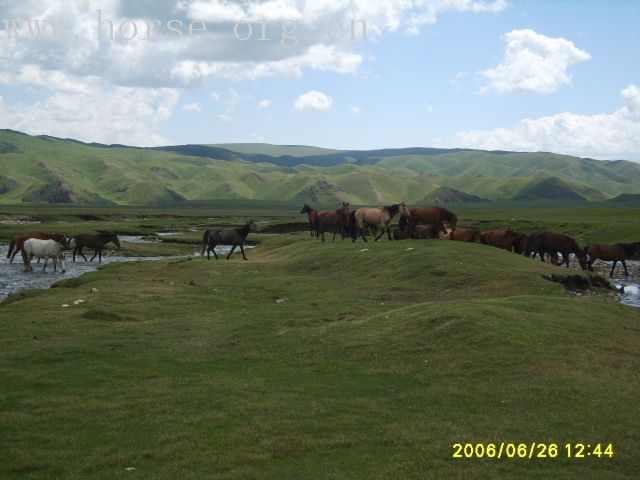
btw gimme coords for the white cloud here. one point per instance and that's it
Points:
(313, 100)
(457, 81)
(264, 104)
(192, 107)
(605, 135)
(119, 115)
(533, 63)
(231, 101)
(356, 112)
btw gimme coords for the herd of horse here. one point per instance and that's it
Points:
(49, 246)
(430, 222)
(438, 222)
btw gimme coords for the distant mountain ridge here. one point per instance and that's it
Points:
(49, 169)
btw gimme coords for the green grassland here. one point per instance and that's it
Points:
(318, 360)
(51, 170)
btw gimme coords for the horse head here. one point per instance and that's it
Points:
(114, 238)
(61, 261)
(345, 208)
(253, 227)
(404, 211)
(306, 209)
(581, 255)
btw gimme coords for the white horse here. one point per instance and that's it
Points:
(47, 249)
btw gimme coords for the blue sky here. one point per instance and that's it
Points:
(559, 76)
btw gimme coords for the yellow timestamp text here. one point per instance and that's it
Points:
(531, 450)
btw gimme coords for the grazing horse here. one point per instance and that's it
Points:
(42, 249)
(312, 215)
(471, 235)
(612, 253)
(332, 218)
(234, 237)
(15, 245)
(378, 219)
(432, 216)
(506, 239)
(553, 243)
(97, 242)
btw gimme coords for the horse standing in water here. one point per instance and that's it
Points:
(15, 245)
(97, 242)
(378, 219)
(553, 243)
(42, 249)
(332, 218)
(234, 237)
(312, 215)
(612, 253)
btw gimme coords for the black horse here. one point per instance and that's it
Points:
(97, 242)
(234, 237)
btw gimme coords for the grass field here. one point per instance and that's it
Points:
(318, 360)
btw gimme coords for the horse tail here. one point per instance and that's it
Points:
(205, 242)
(12, 244)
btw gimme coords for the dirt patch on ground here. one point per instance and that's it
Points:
(580, 283)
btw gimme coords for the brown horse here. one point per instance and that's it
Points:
(97, 242)
(470, 235)
(506, 239)
(612, 253)
(551, 243)
(332, 218)
(426, 231)
(378, 219)
(432, 216)
(15, 245)
(312, 215)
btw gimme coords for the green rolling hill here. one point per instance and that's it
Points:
(43, 169)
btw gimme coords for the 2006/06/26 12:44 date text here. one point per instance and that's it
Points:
(532, 450)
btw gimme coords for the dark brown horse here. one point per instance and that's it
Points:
(432, 216)
(551, 243)
(612, 253)
(234, 237)
(15, 245)
(506, 239)
(97, 242)
(335, 219)
(312, 215)
(470, 235)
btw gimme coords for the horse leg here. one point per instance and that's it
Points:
(381, 233)
(100, 255)
(242, 250)
(44, 269)
(389, 233)
(231, 252)
(626, 273)
(362, 232)
(615, 262)
(335, 231)
(94, 255)
(82, 254)
(541, 253)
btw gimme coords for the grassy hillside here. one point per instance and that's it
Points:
(316, 361)
(46, 169)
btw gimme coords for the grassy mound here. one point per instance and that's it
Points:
(311, 360)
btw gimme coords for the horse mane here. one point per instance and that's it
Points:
(449, 215)
(629, 248)
(392, 209)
